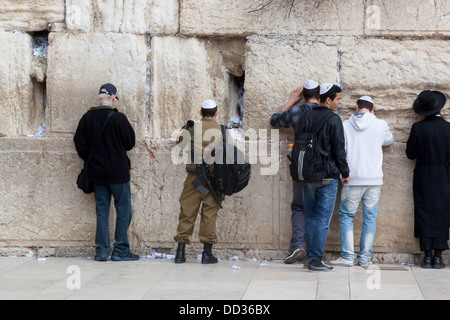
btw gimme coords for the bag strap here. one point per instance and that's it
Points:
(224, 133)
(96, 140)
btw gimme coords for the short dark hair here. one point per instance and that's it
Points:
(311, 93)
(363, 104)
(332, 93)
(209, 112)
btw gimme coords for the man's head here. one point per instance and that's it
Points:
(311, 91)
(365, 103)
(209, 109)
(108, 93)
(330, 96)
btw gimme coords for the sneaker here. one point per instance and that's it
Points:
(101, 258)
(295, 256)
(343, 262)
(318, 265)
(306, 265)
(364, 264)
(129, 257)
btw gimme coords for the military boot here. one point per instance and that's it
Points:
(180, 256)
(207, 256)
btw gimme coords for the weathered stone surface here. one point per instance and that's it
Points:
(277, 65)
(187, 71)
(42, 206)
(393, 73)
(131, 16)
(418, 18)
(21, 108)
(45, 208)
(248, 219)
(28, 15)
(231, 17)
(380, 67)
(163, 74)
(395, 222)
(79, 64)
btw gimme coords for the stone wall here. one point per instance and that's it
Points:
(166, 57)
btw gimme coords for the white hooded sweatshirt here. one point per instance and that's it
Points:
(365, 135)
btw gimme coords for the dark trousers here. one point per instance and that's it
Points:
(428, 244)
(297, 218)
(122, 202)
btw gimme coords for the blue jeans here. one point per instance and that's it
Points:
(319, 199)
(122, 202)
(351, 196)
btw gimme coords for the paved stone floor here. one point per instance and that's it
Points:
(161, 279)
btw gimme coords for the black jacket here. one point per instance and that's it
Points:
(109, 162)
(331, 140)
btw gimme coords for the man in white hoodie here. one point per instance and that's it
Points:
(365, 135)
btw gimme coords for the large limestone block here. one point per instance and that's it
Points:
(399, 121)
(44, 208)
(277, 65)
(231, 17)
(394, 72)
(418, 18)
(395, 221)
(40, 204)
(156, 187)
(20, 112)
(27, 15)
(187, 71)
(248, 220)
(79, 64)
(131, 16)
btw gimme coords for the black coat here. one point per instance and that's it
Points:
(109, 162)
(330, 140)
(429, 145)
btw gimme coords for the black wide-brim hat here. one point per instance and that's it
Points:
(429, 103)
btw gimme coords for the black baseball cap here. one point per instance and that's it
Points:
(108, 89)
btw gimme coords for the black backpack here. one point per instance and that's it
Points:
(307, 164)
(231, 173)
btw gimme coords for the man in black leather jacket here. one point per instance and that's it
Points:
(319, 197)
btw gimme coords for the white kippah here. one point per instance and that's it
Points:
(209, 104)
(311, 84)
(324, 88)
(366, 98)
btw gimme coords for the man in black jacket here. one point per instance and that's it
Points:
(109, 170)
(319, 197)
